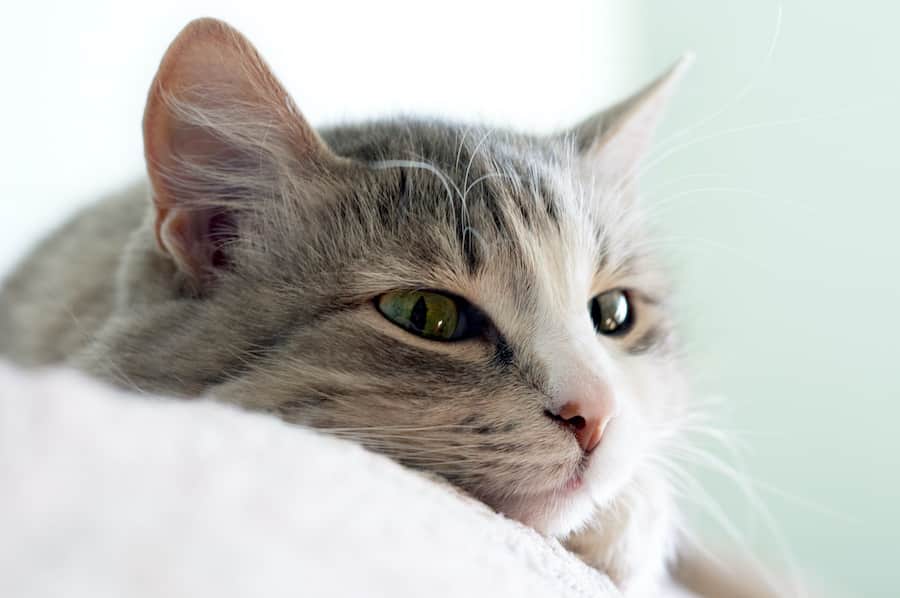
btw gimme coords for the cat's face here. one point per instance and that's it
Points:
(505, 238)
(529, 246)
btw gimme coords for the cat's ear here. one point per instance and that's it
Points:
(615, 140)
(219, 133)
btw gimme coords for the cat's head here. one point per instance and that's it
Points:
(473, 302)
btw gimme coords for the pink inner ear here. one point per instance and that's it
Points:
(221, 231)
(197, 240)
(182, 235)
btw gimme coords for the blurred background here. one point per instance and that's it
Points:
(773, 189)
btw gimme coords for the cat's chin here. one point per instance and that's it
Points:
(559, 513)
(554, 512)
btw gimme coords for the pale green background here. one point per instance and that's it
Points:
(783, 238)
(787, 255)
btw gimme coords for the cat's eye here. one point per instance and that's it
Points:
(428, 314)
(612, 312)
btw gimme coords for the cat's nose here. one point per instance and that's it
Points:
(586, 419)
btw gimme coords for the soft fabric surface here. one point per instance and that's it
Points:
(108, 494)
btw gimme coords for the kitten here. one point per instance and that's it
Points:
(476, 303)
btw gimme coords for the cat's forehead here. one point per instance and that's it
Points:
(494, 216)
(495, 193)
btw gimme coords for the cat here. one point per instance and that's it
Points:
(477, 303)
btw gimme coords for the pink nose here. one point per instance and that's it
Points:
(586, 419)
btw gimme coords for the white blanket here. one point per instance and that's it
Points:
(103, 493)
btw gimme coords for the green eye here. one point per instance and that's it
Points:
(612, 312)
(426, 313)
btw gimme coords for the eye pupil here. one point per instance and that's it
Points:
(611, 312)
(419, 314)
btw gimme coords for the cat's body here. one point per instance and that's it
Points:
(50, 307)
(52, 310)
(254, 264)
(68, 303)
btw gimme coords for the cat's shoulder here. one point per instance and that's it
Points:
(63, 288)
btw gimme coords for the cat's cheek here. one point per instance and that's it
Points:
(615, 461)
(657, 388)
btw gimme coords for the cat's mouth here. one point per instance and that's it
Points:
(553, 509)
(575, 481)
(572, 485)
(554, 512)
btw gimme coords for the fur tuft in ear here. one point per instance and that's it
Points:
(616, 139)
(220, 132)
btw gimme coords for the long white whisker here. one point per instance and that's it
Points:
(744, 91)
(658, 207)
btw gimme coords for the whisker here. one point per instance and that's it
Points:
(671, 182)
(677, 446)
(744, 91)
(657, 207)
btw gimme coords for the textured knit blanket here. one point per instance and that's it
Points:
(105, 493)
